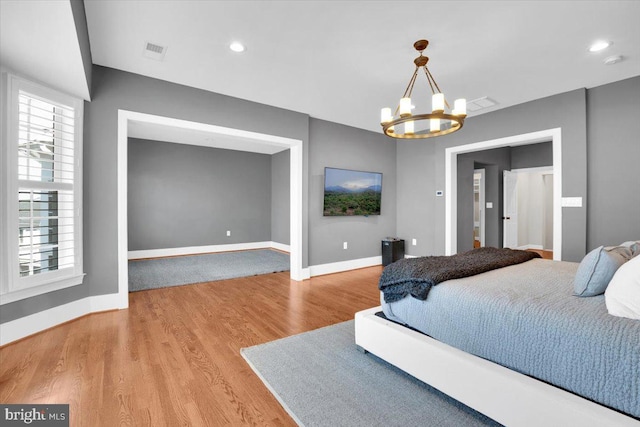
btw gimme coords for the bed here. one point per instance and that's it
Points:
(516, 345)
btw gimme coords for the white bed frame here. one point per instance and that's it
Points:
(508, 397)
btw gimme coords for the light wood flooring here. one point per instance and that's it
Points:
(173, 358)
(543, 253)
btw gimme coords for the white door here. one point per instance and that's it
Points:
(510, 210)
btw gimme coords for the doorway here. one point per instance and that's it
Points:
(451, 154)
(126, 118)
(528, 210)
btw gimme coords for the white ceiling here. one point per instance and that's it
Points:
(334, 60)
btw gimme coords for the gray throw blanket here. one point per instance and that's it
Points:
(416, 276)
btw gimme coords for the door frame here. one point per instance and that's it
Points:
(482, 204)
(451, 181)
(505, 207)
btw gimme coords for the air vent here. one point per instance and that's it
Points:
(154, 51)
(480, 103)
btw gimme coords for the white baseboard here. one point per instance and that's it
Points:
(337, 267)
(194, 250)
(38, 322)
(411, 256)
(280, 246)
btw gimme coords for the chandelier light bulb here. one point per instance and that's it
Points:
(434, 125)
(460, 107)
(385, 115)
(437, 103)
(408, 128)
(405, 107)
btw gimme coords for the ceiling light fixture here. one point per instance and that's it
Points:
(428, 125)
(236, 47)
(599, 45)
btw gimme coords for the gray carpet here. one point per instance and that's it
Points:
(183, 270)
(321, 379)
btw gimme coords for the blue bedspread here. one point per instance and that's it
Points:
(525, 317)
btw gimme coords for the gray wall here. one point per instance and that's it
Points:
(345, 147)
(532, 155)
(280, 197)
(614, 163)
(427, 166)
(186, 195)
(416, 209)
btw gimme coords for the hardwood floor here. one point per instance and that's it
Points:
(543, 253)
(173, 358)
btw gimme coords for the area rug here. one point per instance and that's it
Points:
(183, 270)
(321, 379)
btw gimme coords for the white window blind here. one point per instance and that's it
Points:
(43, 231)
(45, 180)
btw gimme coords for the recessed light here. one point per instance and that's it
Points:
(599, 45)
(236, 47)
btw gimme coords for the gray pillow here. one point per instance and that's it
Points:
(597, 268)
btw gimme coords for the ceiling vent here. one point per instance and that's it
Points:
(154, 51)
(480, 103)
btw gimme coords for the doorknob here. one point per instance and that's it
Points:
(506, 217)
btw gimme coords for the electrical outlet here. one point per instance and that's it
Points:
(414, 242)
(344, 245)
(228, 233)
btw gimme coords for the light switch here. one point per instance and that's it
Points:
(572, 202)
(489, 205)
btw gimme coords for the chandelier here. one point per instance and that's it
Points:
(419, 126)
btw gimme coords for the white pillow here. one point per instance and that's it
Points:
(622, 296)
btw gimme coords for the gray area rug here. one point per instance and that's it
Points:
(183, 270)
(321, 379)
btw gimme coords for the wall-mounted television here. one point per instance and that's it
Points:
(349, 192)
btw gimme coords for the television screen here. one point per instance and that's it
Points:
(349, 192)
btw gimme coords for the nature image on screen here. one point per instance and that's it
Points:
(348, 192)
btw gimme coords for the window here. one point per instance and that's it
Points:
(42, 195)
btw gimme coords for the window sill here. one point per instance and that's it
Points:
(56, 285)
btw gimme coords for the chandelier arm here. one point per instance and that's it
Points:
(434, 82)
(408, 90)
(412, 81)
(426, 72)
